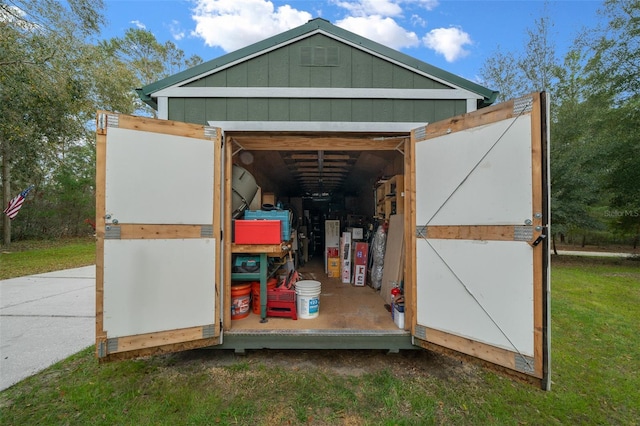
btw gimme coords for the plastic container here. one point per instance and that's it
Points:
(240, 300)
(255, 293)
(257, 231)
(284, 216)
(308, 303)
(398, 314)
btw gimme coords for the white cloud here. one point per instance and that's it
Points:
(388, 8)
(232, 24)
(371, 7)
(383, 30)
(426, 4)
(449, 42)
(176, 30)
(139, 24)
(417, 20)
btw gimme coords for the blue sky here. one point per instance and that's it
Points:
(457, 36)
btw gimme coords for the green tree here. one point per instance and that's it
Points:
(501, 73)
(148, 60)
(615, 64)
(42, 92)
(536, 69)
(613, 76)
(576, 161)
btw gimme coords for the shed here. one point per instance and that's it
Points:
(335, 128)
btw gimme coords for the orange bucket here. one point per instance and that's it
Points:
(240, 300)
(255, 293)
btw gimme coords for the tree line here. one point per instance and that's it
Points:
(595, 119)
(55, 72)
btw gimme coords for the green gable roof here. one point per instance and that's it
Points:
(311, 27)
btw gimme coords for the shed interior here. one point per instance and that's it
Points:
(320, 177)
(301, 165)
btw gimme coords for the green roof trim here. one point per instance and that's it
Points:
(313, 25)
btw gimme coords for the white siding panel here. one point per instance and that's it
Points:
(489, 298)
(158, 285)
(145, 184)
(496, 192)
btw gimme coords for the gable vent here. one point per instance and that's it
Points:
(319, 56)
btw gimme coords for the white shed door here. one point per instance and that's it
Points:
(158, 236)
(480, 218)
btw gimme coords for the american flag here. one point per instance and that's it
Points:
(14, 205)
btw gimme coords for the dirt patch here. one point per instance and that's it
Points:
(356, 363)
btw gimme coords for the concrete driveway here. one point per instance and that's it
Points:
(44, 318)
(593, 253)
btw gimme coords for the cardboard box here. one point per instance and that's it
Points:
(333, 267)
(359, 275)
(331, 233)
(360, 262)
(257, 232)
(357, 233)
(269, 198)
(345, 257)
(331, 239)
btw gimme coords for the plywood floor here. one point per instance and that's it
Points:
(342, 307)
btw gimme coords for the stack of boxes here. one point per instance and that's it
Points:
(360, 261)
(263, 227)
(331, 244)
(333, 262)
(345, 257)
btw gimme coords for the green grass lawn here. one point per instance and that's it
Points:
(595, 364)
(35, 257)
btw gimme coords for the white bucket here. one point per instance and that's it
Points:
(308, 300)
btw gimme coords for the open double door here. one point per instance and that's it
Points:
(480, 217)
(476, 272)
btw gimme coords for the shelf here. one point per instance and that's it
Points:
(265, 251)
(390, 197)
(273, 250)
